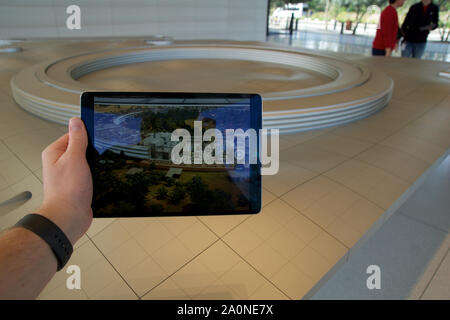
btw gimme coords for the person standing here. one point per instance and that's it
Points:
(386, 37)
(422, 17)
(291, 24)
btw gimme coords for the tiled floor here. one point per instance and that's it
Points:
(335, 186)
(411, 249)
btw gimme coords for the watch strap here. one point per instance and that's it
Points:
(50, 233)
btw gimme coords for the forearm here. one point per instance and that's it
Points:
(26, 264)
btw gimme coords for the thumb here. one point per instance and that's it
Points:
(78, 140)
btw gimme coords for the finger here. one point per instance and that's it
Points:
(78, 140)
(54, 151)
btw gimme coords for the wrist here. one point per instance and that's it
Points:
(59, 218)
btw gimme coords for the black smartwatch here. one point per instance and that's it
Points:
(50, 233)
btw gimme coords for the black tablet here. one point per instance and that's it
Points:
(173, 154)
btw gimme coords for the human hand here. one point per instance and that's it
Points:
(68, 182)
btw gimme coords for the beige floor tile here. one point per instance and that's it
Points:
(331, 206)
(416, 108)
(428, 132)
(266, 260)
(177, 225)
(86, 256)
(154, 236)
(217, 291)
(243, 239)
(310, 192)
(126, 256)
(367, 130)
(62, 293)
(3, 183)
(81, 241)
(6, 194)
(312, 158)
(168, 290)
(222, 224)
(293, 281)
(14, 213)
(32, 184)
(311, 263)
(19, 122)
(344, 232)
(112, 237)
(280, 211)
(370, 182)
(30, 144)
(348, 147)
(172, 256)
(13, 170)
(288, 176)
(286, 243)
(219, 258)
(268, 292)
(263, 225)
(362, 215)
(135, 225)
(243, 280)
(98, 224)
(439, 286)
(285, 143)
(394, 161)
(194, 278)
(4, 151)
(38, 174)
(97, 277)
(303, 228)
(145, 276)
(304, 136)
(197, 237)
(417, 147)
(267, 197)
(426, 94)
(328, 247)
(117, 290)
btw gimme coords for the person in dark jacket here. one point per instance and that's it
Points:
(422, 17)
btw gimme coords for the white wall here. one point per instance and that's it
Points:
(181, 19)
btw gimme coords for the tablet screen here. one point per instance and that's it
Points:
(169, 154)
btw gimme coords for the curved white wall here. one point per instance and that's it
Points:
(181, 19)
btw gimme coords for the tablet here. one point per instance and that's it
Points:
(173, 154)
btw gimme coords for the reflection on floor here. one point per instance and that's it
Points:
(412, 250)
(345, 43)
(334, 189)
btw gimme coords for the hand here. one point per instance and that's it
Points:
(68, 182)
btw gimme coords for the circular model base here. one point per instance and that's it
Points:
(339, 91)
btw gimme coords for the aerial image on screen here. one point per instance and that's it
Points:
(133, 171)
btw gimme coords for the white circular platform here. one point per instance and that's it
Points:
(350, 91)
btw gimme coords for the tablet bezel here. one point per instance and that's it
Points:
(87, 115)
